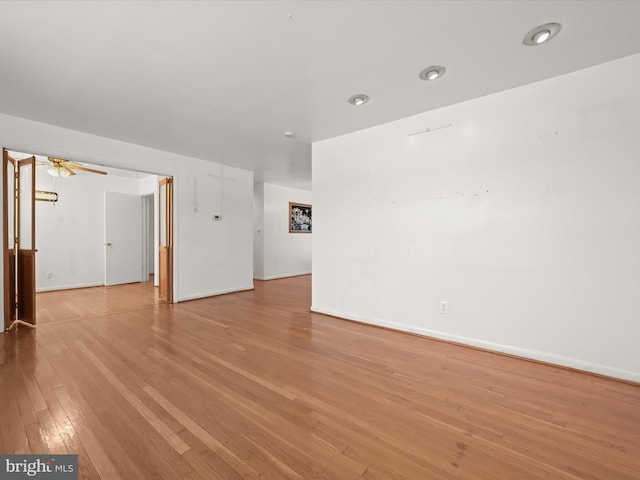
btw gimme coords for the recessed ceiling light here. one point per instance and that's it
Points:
(358, 99)
(288, 133)
(433, 72)
(541, 34)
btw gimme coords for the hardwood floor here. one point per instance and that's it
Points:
(82, 303)
(252, 385)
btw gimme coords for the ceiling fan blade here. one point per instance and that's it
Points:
(85, 169)
(43, 165)
(71, 172)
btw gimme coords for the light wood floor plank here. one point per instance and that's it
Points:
(95, 452)
(205, 437)
(170, 436)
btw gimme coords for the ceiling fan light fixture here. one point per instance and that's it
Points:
(65, 168)
(541, 34)
(432, 73)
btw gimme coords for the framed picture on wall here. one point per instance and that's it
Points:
(299, 217)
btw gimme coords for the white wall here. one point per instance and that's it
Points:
(223, 257)
(70, 232)
(284, 254)
(258, 230)
(523, 215)
(209, 257)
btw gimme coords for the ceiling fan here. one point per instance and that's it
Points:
(59, 167)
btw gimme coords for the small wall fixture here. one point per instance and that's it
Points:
(433, 72)
(541, 34)
(44, 196)
(358, 99)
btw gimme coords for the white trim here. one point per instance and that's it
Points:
(275, 277)
(69, 287)
(197, 296)
(497, 347)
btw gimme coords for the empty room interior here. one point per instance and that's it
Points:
(320, 240)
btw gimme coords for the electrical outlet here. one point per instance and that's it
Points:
(444, 307)
(49, 275)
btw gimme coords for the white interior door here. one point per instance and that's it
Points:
(123, 230)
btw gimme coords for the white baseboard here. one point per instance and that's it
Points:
(275, 277)
(196, 296)
(546, 357)
(68, 287)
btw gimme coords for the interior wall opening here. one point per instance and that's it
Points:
(96, 239)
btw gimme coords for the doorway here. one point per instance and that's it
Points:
(71, 238)
(150, 238)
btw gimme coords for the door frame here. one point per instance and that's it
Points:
(165, 250)
(19, 289)
(26, 266)
(66, 153)
(7, 259)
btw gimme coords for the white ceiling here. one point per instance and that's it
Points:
(222, 80)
